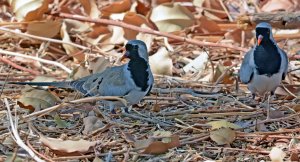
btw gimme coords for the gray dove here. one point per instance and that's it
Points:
(132, 81)
(265, 65)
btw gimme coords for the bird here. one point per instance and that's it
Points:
(265, 65)
(132, 80)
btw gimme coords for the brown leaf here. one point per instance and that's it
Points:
(142, 8)
(116, 7)
(223, 136)
(133, 19)
(38, 28)
(158, 147)
(207, 26)
(90, 8)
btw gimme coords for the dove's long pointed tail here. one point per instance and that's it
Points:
(55, 84)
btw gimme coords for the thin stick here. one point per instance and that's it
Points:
(82, 100)
(18, 66)
(149, 31)
(16, 136)
(37, 59)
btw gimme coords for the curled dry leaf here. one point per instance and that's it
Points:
(277, 155)
(198, 64)
(171, 17)
(153, 146)
(29, 10)
(278, 5)
(70, 50)
(116, 7)
(222, 124)
(161, 62)
(90, 8)
(68, 147)
(223, 136)
(142, 8)
(134, 19)
(35, 99)
(38, 28)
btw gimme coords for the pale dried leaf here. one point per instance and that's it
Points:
(223, 136)
(70, 50)
(35, 99)
(161, 62)
(222, 124)
(68, 146)
(171, 17)
(198, 64)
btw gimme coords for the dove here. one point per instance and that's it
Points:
(265, 65)
(132, 81)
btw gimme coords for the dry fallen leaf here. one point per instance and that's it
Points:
(90, 8)
(161, 62)
(134, 19)
(223, 136)
(70, 50)
(91, 123)
(160, 147)
(171, 17)
(116, 7)
(198, 64)
(68, 147)
(35, 99)
(222, 124)
(38, 28)
(278, 5)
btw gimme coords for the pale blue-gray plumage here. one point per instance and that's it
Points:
(265, 65)
(131, 81)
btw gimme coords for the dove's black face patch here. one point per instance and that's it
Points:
(138, 68)
(266, 56)
(265, 32)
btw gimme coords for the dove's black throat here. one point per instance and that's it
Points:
(267, 58)
(138, 68)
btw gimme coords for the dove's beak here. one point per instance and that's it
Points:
(259, 39)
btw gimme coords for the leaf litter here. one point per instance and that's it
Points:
(197, 111)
